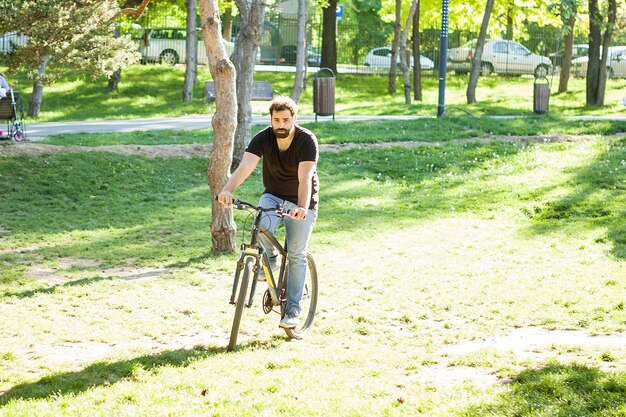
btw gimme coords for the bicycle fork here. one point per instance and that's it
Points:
(241, 263)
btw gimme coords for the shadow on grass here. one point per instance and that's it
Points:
(49, 290)
(102, 373)
(597, 197)
(560, 390)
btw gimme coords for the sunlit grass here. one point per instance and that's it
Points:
(420, 251)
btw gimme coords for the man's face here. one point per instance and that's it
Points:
(282, 123)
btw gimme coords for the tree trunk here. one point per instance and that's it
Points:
(598, 51)
(417, 67)
(227, 24)
(114, 79)
(406, 73)
(391, 88)
(34, 105)
(299, 83)
(223, 228)
(247, 43)
(329, 36)
(477, 57)
(566, 61)
(191, 48)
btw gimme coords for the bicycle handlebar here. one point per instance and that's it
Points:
(242, 205)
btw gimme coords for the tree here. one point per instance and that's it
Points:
(599, 51)
(251, 14)
(66, 34)
(191, 51)
(417, 67)
(403, 53)
(567, 11)
(329, 36)
(299, 83)
(224, 122)
(397, 25)
(476, 58)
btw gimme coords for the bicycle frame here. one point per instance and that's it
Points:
(256, 250)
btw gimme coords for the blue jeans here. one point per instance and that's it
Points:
(297, 233)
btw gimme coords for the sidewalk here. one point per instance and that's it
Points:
(38, 131)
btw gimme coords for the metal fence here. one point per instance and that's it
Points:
(366, 50)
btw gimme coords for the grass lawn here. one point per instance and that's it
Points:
(155, 90)
(457, 279)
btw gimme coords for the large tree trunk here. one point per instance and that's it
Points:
(598, 51)
(191, 48)
(223, 228)
(566, 62)
(34, 105)
(244, 56)
(417, 67)
(477, 57)
(299, 83)
(397, 26)
(329, 36)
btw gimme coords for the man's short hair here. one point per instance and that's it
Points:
(281, 103)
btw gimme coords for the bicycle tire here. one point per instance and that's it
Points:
(241, 302)
(308, 304)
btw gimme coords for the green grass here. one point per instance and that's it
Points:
(155, 90)
(420, 250)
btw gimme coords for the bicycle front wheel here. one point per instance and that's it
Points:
(308, 303)
(241, 301)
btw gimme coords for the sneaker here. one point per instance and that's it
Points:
(290, 321)
(273, 266)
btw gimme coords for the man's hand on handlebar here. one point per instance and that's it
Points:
(226, 198)
(298, 213)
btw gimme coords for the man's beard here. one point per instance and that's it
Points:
(281, 133)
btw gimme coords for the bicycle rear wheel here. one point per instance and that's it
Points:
(241, 301)
(308, 303)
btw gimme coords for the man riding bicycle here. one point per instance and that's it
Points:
(290, 154)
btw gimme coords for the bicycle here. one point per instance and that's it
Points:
(253, 257)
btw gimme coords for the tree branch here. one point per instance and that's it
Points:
(135, 12)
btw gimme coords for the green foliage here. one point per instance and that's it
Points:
(79, 35)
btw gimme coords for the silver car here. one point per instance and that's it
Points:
(615, 65)
(167, 46)
(499, 56)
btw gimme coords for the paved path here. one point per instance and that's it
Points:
(38, 131)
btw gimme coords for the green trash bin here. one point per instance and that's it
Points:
(541, 96)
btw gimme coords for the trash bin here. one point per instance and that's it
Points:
(541, 97)
(324, 93)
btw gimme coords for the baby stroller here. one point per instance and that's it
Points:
(12, 111)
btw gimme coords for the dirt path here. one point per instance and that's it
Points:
(203, 150)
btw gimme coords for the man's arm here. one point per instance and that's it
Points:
(243, 171)
(306, 170)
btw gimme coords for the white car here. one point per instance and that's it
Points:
(11, 39)
(499, 56)
(615, 64)
(381, 58)
(168, 46)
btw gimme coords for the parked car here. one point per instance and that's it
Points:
(167, 46)
(381, 58)
(11, 39)
(288, 54)
(615, 64)
(577, 52)
(499, 56)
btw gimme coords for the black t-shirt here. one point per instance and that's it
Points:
(280, 168)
